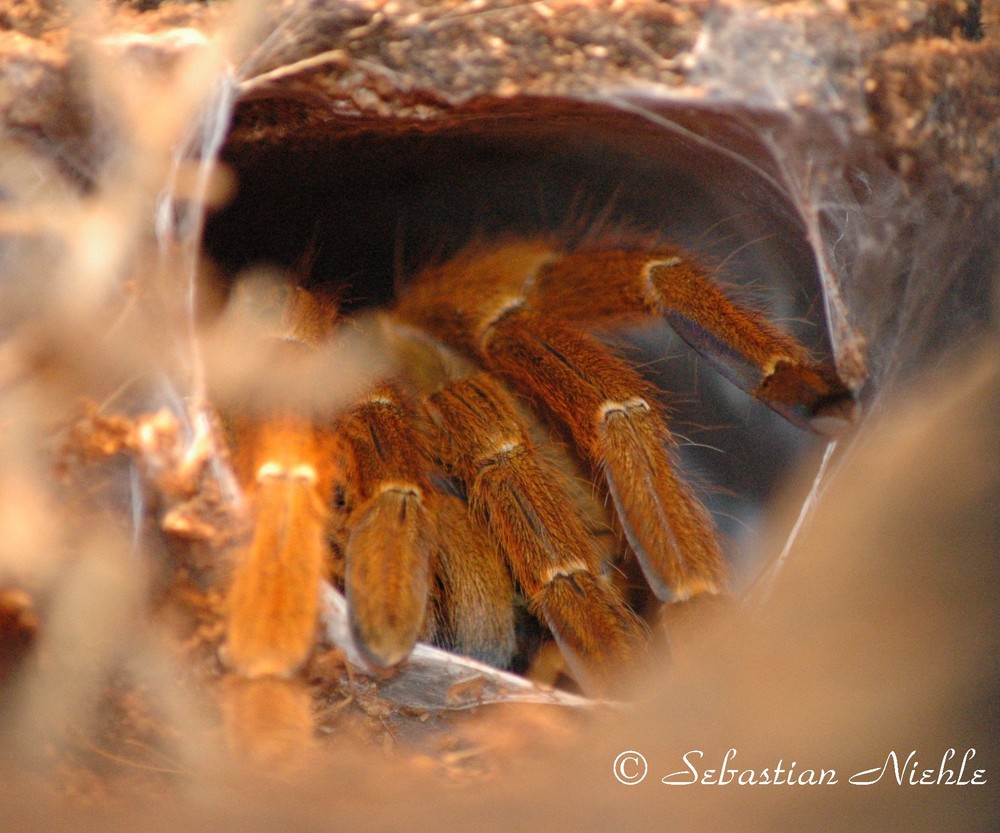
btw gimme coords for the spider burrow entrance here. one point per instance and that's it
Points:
(533, 310)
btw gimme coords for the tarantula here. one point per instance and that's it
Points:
(438, 503)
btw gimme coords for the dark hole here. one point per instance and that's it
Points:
(352, 210)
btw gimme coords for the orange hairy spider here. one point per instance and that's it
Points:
(439, 506)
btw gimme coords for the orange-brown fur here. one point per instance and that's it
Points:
(524, 502)
(419, 561)
(386, 525)
(273, 599)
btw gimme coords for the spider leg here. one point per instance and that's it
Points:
(380, 499)
(609, 286)
(471, 608)
(480, 304)
(521, 498)
(273, 599)
(612, 414)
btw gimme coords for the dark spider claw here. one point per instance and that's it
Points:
(809, 395)
(387, 576)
